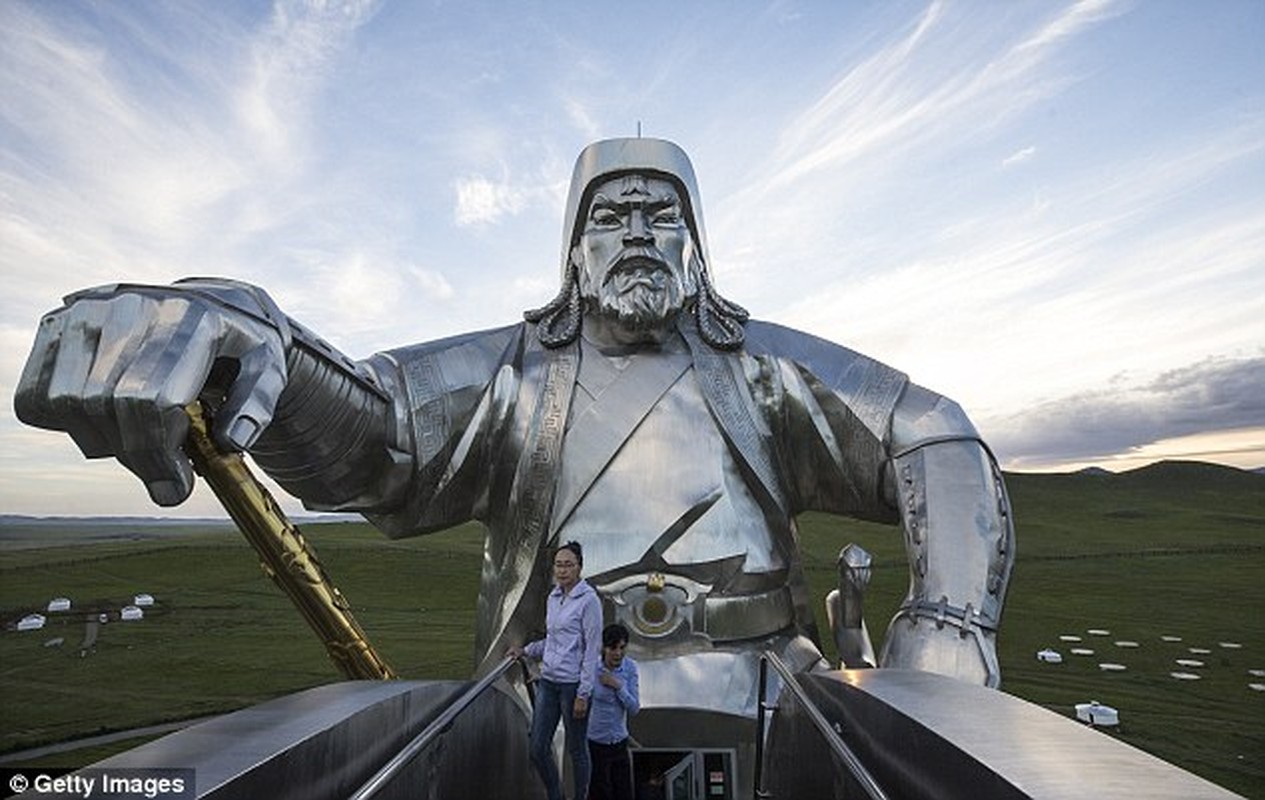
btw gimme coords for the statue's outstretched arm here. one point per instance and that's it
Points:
(116, 366)
(959, 536)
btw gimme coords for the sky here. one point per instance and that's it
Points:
(1051, 212)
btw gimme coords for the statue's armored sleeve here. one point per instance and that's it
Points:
(857, 438)
(959, 535)
(453, 398)
(335, 441)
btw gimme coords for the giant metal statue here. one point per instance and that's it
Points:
(638, 412)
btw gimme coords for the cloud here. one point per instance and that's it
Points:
(290, 59)
(358, 297)
(481, 202)
(1139, 267)
(886, 102)
(916, 107)
(1018, 157)
(1216, 394)
(582, 119)
(146, 139)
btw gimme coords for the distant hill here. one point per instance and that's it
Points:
(21, 532)
(129, 522)
(10, 520)
(1162, 480)
(1168, 504)
(1196, 471)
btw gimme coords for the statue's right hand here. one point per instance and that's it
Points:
(116, 366)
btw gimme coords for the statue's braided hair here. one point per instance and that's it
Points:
(719, 320)
(558, 321)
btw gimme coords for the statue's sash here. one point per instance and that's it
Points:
(523, 573)
(729, 401)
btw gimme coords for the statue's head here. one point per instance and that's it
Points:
(634, 252)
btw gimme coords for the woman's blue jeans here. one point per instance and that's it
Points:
(556, 701)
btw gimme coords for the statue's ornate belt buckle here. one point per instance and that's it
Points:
(658, 605)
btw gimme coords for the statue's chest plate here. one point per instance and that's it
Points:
(672, 484)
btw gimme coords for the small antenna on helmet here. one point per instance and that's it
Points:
(638, 129)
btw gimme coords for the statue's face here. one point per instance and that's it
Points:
(634, 254)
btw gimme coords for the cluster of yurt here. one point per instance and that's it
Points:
(1185, 668)
(62, 605)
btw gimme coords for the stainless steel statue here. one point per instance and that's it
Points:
(639, 413)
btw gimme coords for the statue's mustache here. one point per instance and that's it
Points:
(643, 264)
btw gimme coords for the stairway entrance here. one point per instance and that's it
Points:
(704, 774)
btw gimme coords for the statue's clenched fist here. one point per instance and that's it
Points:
(116, 366)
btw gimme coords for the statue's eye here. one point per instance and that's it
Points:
(605, 218)
(667, 217)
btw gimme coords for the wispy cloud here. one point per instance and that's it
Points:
(897, 98)
(921, 102)
(113, 168)
(290, 59)
(1019, 157)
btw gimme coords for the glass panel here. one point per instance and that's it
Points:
(680, 780)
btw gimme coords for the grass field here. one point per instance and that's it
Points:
(1172, 550)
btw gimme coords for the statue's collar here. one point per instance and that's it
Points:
(673, 343)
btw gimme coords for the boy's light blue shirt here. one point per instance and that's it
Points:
(610, 708)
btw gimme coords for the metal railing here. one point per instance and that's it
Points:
(832, 737)
(432, 731)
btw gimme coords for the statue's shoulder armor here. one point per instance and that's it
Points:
(836, 367)
(464, 359)
(478, 345)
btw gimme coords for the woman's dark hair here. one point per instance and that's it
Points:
(575, 549)
(614, 634)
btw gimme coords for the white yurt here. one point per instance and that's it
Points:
(31, 622)
(131, 612)
(143, 600)
(1096, 714)
(59, 604)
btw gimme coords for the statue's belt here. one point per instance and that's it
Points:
(657, 605)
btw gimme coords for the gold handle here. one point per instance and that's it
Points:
(287, 558)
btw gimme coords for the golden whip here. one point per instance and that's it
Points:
(287, 558)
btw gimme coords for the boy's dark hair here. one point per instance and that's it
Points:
(576, 550)
(613, 634)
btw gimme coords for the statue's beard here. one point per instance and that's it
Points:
(641, 294)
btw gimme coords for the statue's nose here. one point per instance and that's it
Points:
(638, 232)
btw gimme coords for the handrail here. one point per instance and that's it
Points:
(431, 732)
(832, 737)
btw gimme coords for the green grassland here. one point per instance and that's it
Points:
(1176, 549)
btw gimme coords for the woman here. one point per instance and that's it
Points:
(569, 657)
(616, 697)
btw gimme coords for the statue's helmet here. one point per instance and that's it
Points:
(611, 158)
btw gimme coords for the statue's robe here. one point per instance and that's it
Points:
(681, 460)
